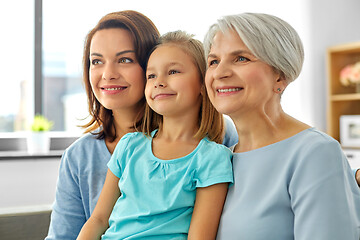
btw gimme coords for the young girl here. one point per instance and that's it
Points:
(154, 176)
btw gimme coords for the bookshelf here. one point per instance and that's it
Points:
(341, 100)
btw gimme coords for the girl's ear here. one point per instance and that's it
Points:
(281, 84)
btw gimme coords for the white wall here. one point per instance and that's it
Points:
(27, 182)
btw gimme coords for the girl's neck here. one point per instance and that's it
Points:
(176, 138)
(175, 129)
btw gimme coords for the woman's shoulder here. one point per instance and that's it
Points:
(87, 146)
(313, 136)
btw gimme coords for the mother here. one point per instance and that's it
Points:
(281, 190)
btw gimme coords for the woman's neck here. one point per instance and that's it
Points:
(259, 128)
(124, 122)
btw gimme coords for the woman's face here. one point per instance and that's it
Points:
(173, 86)
(116, 78)
(236, 81)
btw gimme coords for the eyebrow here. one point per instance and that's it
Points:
(117, 54)
(233, 53)
(170, 64)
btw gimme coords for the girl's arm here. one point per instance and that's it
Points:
(207, 211)
(99, 219)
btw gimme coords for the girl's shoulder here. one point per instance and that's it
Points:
(213, 147)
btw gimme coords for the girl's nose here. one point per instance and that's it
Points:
(159, 82)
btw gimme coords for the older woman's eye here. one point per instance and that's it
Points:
(242, 59)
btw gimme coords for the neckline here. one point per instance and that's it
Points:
(272, 144)
(149, 149)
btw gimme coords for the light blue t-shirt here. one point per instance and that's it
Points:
(82, 173)
(282, 192)
(158, 196)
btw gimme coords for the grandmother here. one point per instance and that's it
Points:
(292, 181)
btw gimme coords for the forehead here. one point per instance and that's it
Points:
(112, 38)
(170, 53)
(227, 42)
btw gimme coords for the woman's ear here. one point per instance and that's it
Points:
(281, 84)
(203, 90)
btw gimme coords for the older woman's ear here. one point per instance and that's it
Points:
(281, 84)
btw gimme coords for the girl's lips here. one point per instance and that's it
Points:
(162, 96)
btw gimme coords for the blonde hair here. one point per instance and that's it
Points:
(210, 120)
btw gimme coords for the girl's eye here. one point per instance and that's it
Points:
(150, 76)
(125, 60)
(95, 62)
(212, 62)
(173, 72)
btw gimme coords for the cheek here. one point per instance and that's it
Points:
(147, 90)
(208, 84)
(138, 80)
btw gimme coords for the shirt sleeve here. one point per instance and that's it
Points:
(214, 166)
(118, 158)
(325, 203)
(68, 216)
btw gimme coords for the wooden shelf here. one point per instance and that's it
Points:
(345, 97)
(341, 100)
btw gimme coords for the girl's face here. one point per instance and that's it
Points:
(236, 81)
(116, 77)
(173, 84)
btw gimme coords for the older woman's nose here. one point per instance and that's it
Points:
(222, 71)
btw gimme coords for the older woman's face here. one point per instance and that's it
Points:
(237, 82)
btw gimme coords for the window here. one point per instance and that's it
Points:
(57, 90)
(17, 64)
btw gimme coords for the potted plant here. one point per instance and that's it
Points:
(38, 140)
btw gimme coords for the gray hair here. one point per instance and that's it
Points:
(269, 38)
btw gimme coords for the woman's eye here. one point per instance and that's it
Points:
(173, 72)
(242, 59)
(125, 60)
(95, 62)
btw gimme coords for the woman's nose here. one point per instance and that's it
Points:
(222, 71)
(110, 72)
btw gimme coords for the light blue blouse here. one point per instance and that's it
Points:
(282, 192)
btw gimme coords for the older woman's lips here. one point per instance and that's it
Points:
(228, 91)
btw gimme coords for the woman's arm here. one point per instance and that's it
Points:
(357, 176)
(207, 211)
(98, 221)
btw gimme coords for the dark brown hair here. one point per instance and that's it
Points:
(145, 36)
